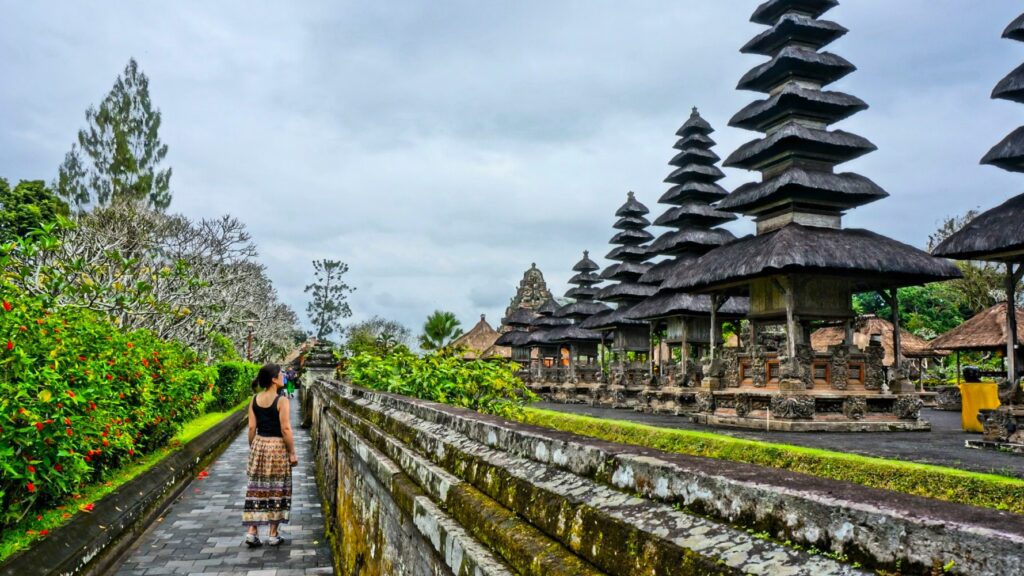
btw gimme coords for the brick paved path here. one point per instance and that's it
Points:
(202, 532)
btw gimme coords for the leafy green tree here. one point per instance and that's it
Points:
(377, 336)
(118, 155)
(439, 331)
(27, 207)
(927, 310)
(329, 292)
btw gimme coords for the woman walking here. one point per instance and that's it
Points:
(268, 495)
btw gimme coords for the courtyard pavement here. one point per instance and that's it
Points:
(202, 532)
(944, 445)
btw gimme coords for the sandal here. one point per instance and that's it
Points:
(253, 541)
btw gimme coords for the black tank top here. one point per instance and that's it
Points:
(268, 423)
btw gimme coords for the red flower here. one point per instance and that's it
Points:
(58, 467)
(7, 306)
(71, 394)
(30, 487)
(21, 410)
(81, 358)
(44, 532)
(39, 321)
(106, 442)
(121, 395)
(31, 469)
(10, 345)
(67, 421)
(110, 377)
(145, 362)
(88, 507)
(70, 433)
(131, 451)
(23, 328)
(104, 434)
(39, 425)
(130, 345)
(92, 405)
(39, 517)
(49, 421)
(88, 458)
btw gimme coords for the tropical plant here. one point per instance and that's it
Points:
(26, 207)
(377, 335)
(439, 331)
(486, 386)
(329, 294)
(117, 157)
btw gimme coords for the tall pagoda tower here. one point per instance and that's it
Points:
(802, 266)
(691, 221)
(625, 290)
(581, 343)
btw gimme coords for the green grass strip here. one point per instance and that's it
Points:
(22, 535)
(940, 482)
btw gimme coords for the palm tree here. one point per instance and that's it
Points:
(439, 331)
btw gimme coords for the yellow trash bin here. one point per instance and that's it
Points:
(977, 396)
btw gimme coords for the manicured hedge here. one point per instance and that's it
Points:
(80, 397)
(234, 384)
(486, 386)
(950, 484)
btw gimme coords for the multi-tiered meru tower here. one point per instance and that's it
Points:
(684, 321)
(802, 267)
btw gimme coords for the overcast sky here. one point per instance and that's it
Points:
(441, 147)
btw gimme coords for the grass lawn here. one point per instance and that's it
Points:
(951, 484)
(22, 535)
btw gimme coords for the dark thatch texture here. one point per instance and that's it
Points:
(662, 270)
(631, 237)
(693, 214)
(794, 139)
(478, 339)
(828, 107)
(632, 207)
(568, 334)
(582, 292)
(628, 254)
(691, 172)
(870, 260)
(996, 234)
(611, 320)
(1015, 31)
(794, 28)
(695, 141)
(1009, 153)
(669, 305)
(625, 271)
(694, 125)
(631, 223)
(515, 338)
(808, 187)
(626, 291)
(550, 322)
(769, 12)
(521, 317)
(581, 309)
(1011, 87)
(596, 320)
(911, 345)
(986, 330)
(585, 264)
(691, 239)
(548, 308)
(796, 62)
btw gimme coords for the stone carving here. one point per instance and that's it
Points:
(743, 405)
(948, 398)
(855, 407)
(705, 402)
(874, 371)
(730, 368)
(532, 292)
(907, 407)
(998, 425)
(839, 373)
(792, 407)
(758, 357)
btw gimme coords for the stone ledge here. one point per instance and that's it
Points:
(598, 523)
(776, 425)
(92, 543)
(828, 514)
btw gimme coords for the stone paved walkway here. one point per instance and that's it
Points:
(944, 445)
(201, 533)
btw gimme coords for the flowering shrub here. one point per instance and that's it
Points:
(486, 386)
(234, 383)
(80, 397)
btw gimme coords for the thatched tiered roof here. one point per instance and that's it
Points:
(985, 330)
(478, 341)
(911, 345)
(800, 200)
(545, 322)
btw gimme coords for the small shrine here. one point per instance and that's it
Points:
(802, 267)
(515, 335)
(548, 361)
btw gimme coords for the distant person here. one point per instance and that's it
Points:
(268, 495)
(289, 383)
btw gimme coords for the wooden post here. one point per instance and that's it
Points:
(958, 367)
(685, 354)
(897, 350)
(848, 338)
(791, 323)
(714, 323)
(650, 350)
(1012, 277)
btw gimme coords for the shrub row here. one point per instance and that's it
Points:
(234, 384)
(950, 484)
(483, 385)
(80, 397)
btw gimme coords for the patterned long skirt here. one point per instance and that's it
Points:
(268, 496)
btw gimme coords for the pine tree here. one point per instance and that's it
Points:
(117, 157)
(329, 293)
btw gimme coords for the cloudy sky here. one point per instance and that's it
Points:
(441, 147)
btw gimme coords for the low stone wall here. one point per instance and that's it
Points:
(93, 543)
(413, 487)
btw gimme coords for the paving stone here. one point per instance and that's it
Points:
(202, 532)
